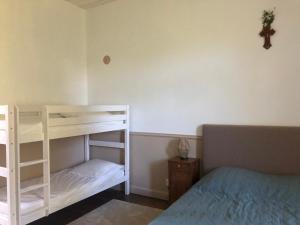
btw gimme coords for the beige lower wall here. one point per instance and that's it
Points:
(149, 166)
(149, 155)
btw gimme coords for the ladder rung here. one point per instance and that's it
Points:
(33, 187)
(30, 163)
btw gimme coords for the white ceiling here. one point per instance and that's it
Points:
(85, 4)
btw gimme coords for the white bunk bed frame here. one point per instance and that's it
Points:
(89, 121)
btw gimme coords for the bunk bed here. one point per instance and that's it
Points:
(24, 202)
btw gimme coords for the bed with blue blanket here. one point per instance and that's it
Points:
(252, 178)
(233, 196)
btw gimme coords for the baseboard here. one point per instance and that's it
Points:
(149, 192)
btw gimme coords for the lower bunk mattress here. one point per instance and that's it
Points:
(70, 185)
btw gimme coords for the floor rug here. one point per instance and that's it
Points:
(118, 212)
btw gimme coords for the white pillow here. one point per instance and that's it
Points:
(95, 168)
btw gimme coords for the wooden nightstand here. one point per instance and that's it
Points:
(182, 175)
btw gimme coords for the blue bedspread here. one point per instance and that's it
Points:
(232, 196)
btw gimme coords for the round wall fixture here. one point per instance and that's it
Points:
(106, 59)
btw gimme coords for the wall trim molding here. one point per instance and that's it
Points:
(194, 137)
(149, 192)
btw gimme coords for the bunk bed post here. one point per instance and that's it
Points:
(12, 187)
(86, 147)
(17, 162)
(127, 154)
(46, 157)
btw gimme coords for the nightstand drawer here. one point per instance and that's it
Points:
(180, 167)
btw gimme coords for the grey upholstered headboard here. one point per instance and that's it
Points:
(274, 150)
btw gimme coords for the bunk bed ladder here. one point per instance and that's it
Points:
(46, 156)
(45, 185)
(13, 212)
(127, 153)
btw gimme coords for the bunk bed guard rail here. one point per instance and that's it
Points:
(66, 121)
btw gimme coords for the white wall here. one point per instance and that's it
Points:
(43, 61)
(42, 52)
(180, 64)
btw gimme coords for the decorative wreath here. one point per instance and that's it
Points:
(268, 17)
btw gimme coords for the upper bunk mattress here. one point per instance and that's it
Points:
(70, 185)
(30, 128)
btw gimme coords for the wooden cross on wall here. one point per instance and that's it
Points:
(267, 32)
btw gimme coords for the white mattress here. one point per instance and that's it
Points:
(30, 124)
(31, 130)
(70, 184)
